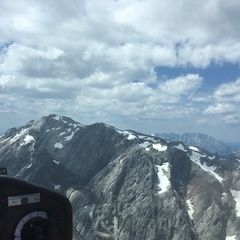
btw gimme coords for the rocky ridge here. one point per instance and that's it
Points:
(127, 185)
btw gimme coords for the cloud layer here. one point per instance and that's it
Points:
(97, 60)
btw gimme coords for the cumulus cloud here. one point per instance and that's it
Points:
(140, 101)
(6, 80)
(220, 108)
(182, 85)
(225, 102)
(228, 92)
(232, 119)
(99, 57)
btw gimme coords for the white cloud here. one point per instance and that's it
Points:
(202, 98)
(102, 56)
(232, 119)
(6, 80)
(182, 85)
(220, 108)
(203, 56)
(140, 101)
(20, 60)
(228, 92)
(225, 102)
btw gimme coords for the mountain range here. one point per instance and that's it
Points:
(128, 185)
(204, 141)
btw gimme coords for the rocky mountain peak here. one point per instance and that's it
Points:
(120, 181)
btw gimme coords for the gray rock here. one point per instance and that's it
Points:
(127, 185)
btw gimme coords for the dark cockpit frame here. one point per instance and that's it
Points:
(30, 212)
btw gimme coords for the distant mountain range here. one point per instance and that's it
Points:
(128, 185)
(204, 141)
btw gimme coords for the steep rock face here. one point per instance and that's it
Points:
(180, 171)
(127, 185)
(128, 190)
(209, 194)
(93, 148)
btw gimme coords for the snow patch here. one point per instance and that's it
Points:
(76, 125)
(194, 148)
(29, 139)
(195, 157)
(5, 140)
(224, 194)
(62, 133)
(190, 208)
(145, 145)
(56, 162)
(77, 129)
(18, 135)
(212, 157)
(180, 147)
(147, 138)
(160, 147)
(163, 177)
(28, 166)
(58, 145)
(141, 137)
(236, 197)
(147, 149)
(57, 118)
(68, 138)
(233, 237)
(129, 135)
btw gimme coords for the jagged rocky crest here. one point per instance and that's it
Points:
(127, 185)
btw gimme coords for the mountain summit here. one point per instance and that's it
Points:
(128, 185)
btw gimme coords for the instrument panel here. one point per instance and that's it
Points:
(30, 212)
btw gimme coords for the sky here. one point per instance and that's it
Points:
(147, 65)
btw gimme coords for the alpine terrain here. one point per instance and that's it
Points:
(201, 140)
(126, 185)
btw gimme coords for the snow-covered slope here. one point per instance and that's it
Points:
(124, 180)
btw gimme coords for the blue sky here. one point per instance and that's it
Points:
(142, 65)
(214, 74)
